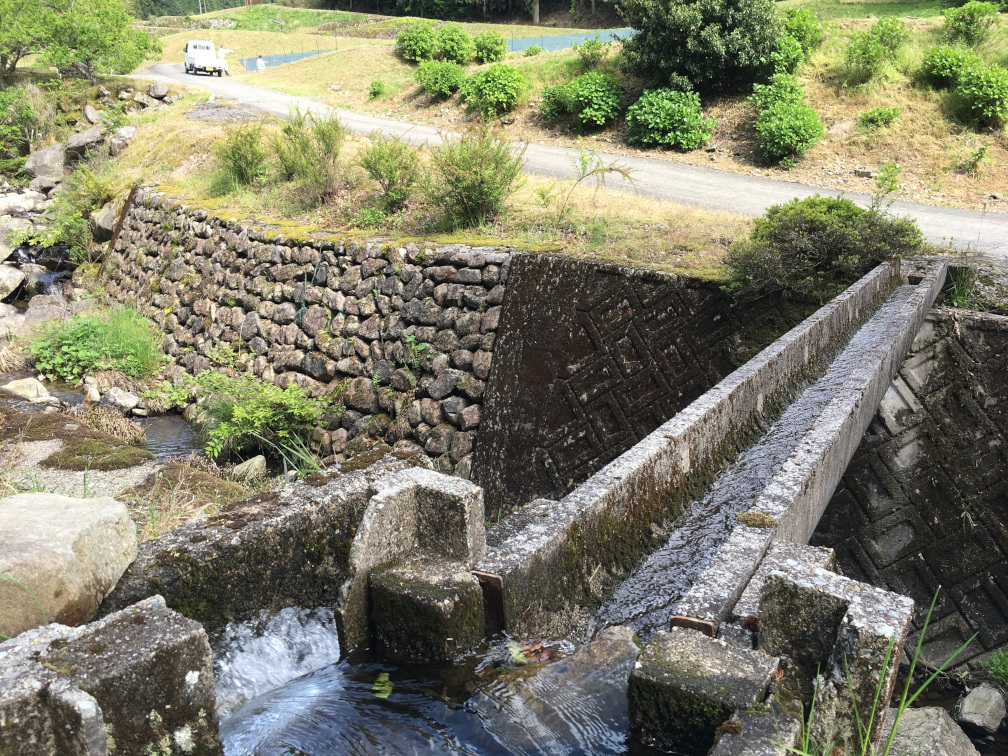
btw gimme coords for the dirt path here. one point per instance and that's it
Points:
(986, 232)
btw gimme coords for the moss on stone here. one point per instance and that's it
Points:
(756, 519)
(93, 454)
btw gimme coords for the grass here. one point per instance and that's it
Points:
(997, 666)
(830, 10)
(93, 454)
(244, 43)
(260, 17)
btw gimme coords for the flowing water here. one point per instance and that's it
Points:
(315, 705)
(169, 435)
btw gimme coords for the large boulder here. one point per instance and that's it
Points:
(929, 732)
(121, 139)
(31, 389)
(158, 90)
(120, 400)
(50, 163)
(80, 144)
(143, 100)
(8, 227)
(42, 185)
(10, 279)
(91, 115)
(103, 222)
(68, 552)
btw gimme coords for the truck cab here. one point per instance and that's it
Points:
(201, 56)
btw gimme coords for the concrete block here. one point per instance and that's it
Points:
(983, 708)
(425, 611)
(929, 732)
(747, 607)
(686, 685)
(758, 733)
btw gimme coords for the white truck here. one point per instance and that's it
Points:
(201, 56)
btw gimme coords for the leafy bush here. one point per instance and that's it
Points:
(117, 340)
(590, 52)
(972, 24)
(787, 129)
(532, 50)
(555, 102)
(417, 41)
(802, 25)
(18, 121)
(879, 117)
(782, 88)
(668, 118)
(454, 44)
(491, 46)
(394, 165)
(716, 44)
(243, 412)
(868, 52)
(376, 89)
(307, 151)
(984, 93)
(494, 90)
(439, 78)
(473, 176)
(816, 247)
(943, 65)
(788, 55)
(594, 99)
(240, 156)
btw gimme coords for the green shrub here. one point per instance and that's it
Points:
(788, 55)
(782, 88)
(984, 94)
(494, 90)
(943, 65)
(869, 52)
(787, 129)
(394, 165)
(244, 412)
(417, 41)
(972, 24)
(117, 340)
(455, 45)
(668, 118)
(802, 25)
(532, 50)
(715, 44)
(555, 102)
(307, 152)
(439, 78)
(376, 89)
(473, 176)
(491, 46)
(879, 117)
(590, 52)
(816, 247)
(594, 99)
(18, 121)
(240, 156)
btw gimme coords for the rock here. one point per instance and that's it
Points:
(7, 228)
(929, 731)
(103, 222)
(10, 279)
(69, 552)
(50, 163)
(91, 115)
(32, 277)
(864, 173)
(136, 682)
(983, 708)
(444, 384)
(103, 92)
(143, 100)
(79, 144)
(120, 400)
(121, 140)
(91, 395)
(158, 90)
(42, 184)
(27, 388)
(11, 325)
(250, 469)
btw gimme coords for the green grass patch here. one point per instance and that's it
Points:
(830, 10)
(260, 17)
(997, 665)
(92, 454)
(117, 340)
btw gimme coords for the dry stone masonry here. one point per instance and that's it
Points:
(407, 334)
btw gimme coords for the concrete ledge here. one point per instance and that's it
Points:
(758, 733)
(544, 558)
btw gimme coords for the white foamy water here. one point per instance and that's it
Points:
(251, 658)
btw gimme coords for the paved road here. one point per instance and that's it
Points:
(677, 182)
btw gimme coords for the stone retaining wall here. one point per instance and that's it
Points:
(406, 333)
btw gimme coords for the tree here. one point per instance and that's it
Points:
(715, 44)
(23, 30)
(96, 37)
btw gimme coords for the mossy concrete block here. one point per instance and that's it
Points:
(764, 732)
(136, 682)
(747, 607)
(425, 611)
(685, 685)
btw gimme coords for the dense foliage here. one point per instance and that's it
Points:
(786, 125)
(117, 340)
(440, 79)
(455, 45)
(395, 166)
(983, 91)
(491, 46)
(307, 152)
(715, 44)
(868, 52)
(879, 117)
(664, 117)
(972, 24)
(417, 42)
(494, 90)
(816, 247)
(803, 26)
(942, 65)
